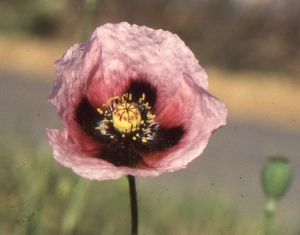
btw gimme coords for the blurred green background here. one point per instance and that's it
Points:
(250, 51)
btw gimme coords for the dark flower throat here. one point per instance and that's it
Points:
(123, 147)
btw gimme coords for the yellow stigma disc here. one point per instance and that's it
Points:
(126, 117)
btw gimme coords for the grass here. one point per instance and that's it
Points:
(38, 196)
(41, 197)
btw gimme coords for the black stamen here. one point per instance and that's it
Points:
(160, 139)
(88, 117)
(121, 153)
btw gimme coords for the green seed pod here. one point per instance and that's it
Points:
(276, 177)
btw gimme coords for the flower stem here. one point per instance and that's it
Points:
(270, 209)
(134, 206)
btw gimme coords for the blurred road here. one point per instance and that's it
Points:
(24, 106)
(229, 167)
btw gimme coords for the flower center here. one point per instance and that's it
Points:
(126, 117)
(129, 118)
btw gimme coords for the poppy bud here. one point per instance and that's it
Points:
(276, 177)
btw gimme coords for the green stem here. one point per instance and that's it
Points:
(134, 206)
(270, 209)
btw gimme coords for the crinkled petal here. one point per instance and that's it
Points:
(129, 50)
(78, 73)
(200, 113)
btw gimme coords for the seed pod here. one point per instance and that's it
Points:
(276, 177)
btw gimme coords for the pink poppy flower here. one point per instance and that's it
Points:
(132, 100)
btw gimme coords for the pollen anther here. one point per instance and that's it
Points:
(99, 111)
